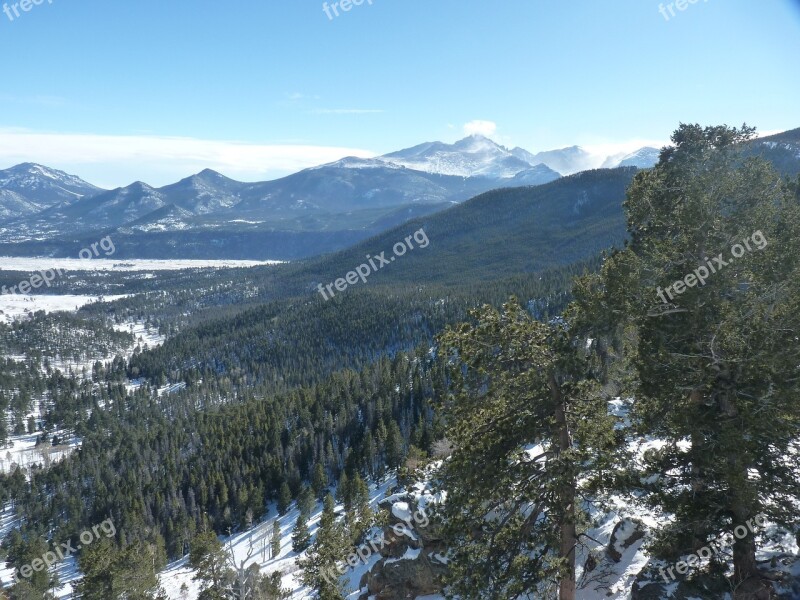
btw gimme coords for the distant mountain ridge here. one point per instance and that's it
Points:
(28, 188)
(477, 155)
(500, 233)
(41, 202)
(318, 210)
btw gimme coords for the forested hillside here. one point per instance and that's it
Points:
(509, 357)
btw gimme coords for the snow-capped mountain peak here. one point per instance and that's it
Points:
(28, 188)
(38, 178)
(473, 156)
(643, 158)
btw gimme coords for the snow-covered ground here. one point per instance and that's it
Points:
(11, 263)
(144, 336)
(179, 573)
(8, 521)
(21, 450)
(611, 580)
(13, 306)
(67, 570)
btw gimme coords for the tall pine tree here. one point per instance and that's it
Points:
(529, 428)
(325, 555)
(710, 288)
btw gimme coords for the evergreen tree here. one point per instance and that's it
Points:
(301, 537)
(263, 587)
(22, 553)
(360, 517)
(208, 558)
(343, 491)
(395, 450)
(319, 481)
(305, 500)
(528, 425)
(715, 355)
(275, 542)
(113, 572)
(284, 498)
(325, 555)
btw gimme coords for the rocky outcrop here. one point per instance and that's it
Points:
(626, 533)
(412, 553)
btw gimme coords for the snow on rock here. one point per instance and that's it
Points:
(626, 533)
(402, 511)
(410, 554)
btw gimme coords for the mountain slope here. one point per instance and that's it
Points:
(497, 234)
(474, 156)
(107, 209)
(13, 204)
(205, 192)
(349, 195)
(354, 184)
(566, 161)
(643, 158)
(782, 150)
(28, 188)
(575, 159)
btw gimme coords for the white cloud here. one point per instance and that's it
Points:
(111, 161)
(486, 128)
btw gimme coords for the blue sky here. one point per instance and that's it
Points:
(118, 91)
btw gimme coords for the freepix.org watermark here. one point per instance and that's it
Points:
(702, 273)
(13, 10)
(714, 548)
(332, 10)
(365, 551)
(64, 551)
(49, 276)
(668, 11)
(365, 270)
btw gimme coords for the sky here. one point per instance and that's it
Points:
(143, 90)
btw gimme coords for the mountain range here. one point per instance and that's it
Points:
(29, 188)
(44, 211)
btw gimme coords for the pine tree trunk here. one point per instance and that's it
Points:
(569, 536)
(697, 481)
(744, 550)
(566, 589)
(744, 559)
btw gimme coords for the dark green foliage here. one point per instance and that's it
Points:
(275, 540)
(301, 537)
(319, 481)
(208, 558)
(720, 370)
(530, 432)
(288, 395)
(498, 234)
(320, 566)
(222, 579)
(114, 572)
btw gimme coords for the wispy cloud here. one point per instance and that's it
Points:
(347, 111)
(478, 127)
(112, 161)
